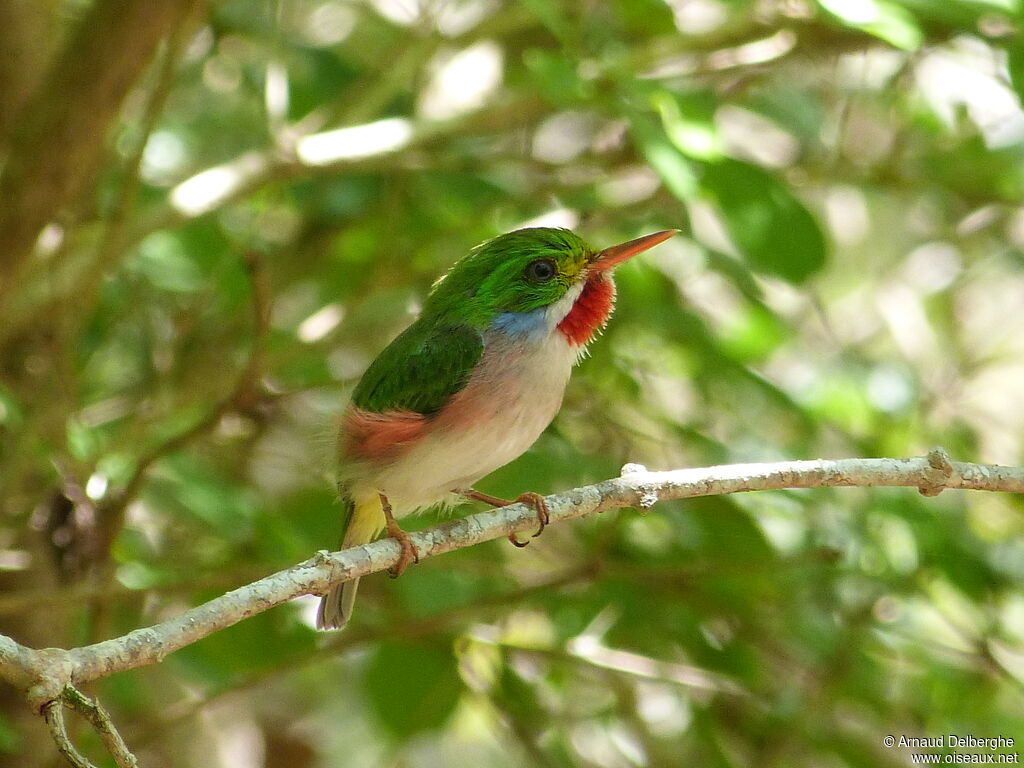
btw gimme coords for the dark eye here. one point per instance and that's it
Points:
(540, 271)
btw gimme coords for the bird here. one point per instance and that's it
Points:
(470, 385)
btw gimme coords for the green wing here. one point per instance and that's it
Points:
(421, 369)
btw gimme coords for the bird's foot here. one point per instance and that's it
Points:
(536, 501)
(530, 498)
(395, 531)
(409, 553)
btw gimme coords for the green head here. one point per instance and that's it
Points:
(523, 271)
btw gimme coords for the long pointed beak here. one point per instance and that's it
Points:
(609, 257)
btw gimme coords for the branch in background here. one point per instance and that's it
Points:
(361, 637)
(96, 715)
(244, 397)
(109, 247)
(26, 44)
(235, 179)
(74, 109)
(44, 674)
(53, 714)
(100, 720)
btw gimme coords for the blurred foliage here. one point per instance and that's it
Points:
(281, 189)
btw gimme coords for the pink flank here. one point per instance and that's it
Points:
(590, 312)
(375, 436)
(385, 437)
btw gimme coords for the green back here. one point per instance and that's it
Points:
(433, 358)
(421, 369)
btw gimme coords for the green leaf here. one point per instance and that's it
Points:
(689, 123)
(644, 16)
(264, 641)
(11, 414)
(556, 76)
(886, 21)
(10, 737)
(752, 334)
(199, 491)
(412, 687)
(302, 522)
(163, 261)
(438, 589)
(82, 442)
(1015, 65)
(769, 225)
(665, 158)
(550, 15)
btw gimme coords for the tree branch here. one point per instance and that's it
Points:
(44, 674)
(73, 110)
(91, 710)
(53, 714)
(98, 718)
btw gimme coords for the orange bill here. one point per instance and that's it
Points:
(617, 254)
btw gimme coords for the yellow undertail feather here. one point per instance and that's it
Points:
(364, 523)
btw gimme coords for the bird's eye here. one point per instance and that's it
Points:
(541, 270)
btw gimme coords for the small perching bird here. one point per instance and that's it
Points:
(471, 384)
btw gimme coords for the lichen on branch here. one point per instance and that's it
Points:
(44, 675)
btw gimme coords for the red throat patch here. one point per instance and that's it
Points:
(590, 312)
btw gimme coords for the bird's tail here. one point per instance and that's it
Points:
(364, 520)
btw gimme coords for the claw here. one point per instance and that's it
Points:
(535, 500)
(395, 531)
(409, 553)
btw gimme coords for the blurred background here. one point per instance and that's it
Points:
(214, 215)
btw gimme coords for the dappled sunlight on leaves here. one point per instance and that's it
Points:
(277, 198)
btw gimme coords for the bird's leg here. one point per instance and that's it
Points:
(409, 553)
(534, 500)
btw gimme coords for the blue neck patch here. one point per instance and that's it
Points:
(530, 325)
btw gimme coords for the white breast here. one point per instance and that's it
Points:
(512, 396)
